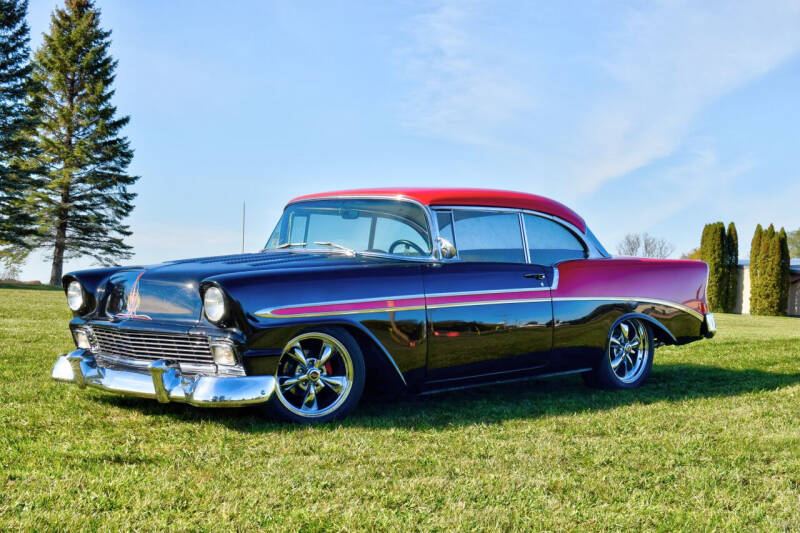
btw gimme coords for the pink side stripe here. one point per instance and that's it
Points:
(407, 302)
(481, 298)
(350, 307)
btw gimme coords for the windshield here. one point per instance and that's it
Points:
(379, 226)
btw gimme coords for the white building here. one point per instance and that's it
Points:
(743, 289)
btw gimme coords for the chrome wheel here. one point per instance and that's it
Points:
(628, 350)
(315, 375)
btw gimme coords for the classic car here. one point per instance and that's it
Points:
(388, 291)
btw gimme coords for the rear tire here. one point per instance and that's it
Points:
(319, 378)
(628, 356)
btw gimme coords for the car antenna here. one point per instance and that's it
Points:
(244, 209)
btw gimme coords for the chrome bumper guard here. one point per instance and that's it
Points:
(710, 326)
(164, 382)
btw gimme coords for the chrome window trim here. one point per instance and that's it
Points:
(524, 232)
(439, 255)
(433, 227)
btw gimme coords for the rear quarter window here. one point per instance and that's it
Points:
(549, 242)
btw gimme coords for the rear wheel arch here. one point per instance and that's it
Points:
(660, 331)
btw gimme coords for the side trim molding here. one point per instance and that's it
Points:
(418, 302)
(698, 315)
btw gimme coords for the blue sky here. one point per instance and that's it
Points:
(642, 116)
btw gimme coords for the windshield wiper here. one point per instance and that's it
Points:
(348, 251)
(291, 244)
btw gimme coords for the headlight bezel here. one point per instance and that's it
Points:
(216, 310)
(79, 292)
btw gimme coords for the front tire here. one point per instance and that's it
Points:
(320, 377)
(628, 357)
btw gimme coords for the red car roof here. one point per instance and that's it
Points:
(473, 197)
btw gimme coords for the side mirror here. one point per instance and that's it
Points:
(446, 248)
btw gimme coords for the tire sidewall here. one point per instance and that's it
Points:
(280, 411)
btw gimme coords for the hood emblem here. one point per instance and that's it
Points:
(133, 301)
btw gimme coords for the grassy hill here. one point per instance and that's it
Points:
(711, 441)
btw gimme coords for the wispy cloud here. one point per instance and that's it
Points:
(653, 202)
(463, 87)
(649, 71)
(667, 63)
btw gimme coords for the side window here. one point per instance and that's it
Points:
(550, 242)
(488, 236)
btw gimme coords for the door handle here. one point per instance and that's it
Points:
(536, 275)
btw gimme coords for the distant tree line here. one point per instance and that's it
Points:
(64, 185)
(720, 250)
(645, 245)
(770, 259)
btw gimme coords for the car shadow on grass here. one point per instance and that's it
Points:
(498, 403)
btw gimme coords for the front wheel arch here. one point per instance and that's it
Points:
(385, 380)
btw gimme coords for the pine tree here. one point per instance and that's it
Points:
(766, 273)
(755, 250)
(771, 285)
(85, 193)
(784, 278)
(712, 248)
(17, 224)
(732, 251)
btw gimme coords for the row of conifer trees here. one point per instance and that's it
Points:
(769, 268)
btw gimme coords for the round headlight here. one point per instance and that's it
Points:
(75, 296)
(214, 304)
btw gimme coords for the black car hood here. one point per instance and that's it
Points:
(171, 291)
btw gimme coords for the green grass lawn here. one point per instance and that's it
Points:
(712, 441)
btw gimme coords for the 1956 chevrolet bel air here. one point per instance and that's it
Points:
(392, 290)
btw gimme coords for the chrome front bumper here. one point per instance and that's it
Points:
(164, 382)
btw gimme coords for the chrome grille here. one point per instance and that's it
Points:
(151, 346)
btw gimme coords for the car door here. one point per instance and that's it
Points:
(489, 310)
